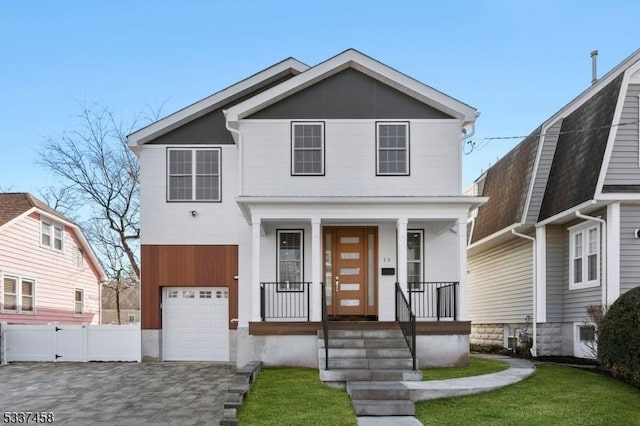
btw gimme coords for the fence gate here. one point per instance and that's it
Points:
(71, 343)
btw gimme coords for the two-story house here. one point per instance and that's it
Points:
(48, 270)
(340, 179)
(560, 230)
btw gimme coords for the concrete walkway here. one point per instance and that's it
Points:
(518, 370)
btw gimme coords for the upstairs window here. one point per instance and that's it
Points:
(584, 262)
(307, 149)
(193, 174)
(51, 235)
(392, 148)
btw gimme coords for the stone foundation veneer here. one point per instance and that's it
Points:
(552, 338)
(487, 334)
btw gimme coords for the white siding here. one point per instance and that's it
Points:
(629, 247)
(350, 153)
(624, 166)
(542, 173)
(555, 272)
(171, 222)
(500, 283)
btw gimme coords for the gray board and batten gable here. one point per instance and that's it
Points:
(349, 94)
(507, 186)
(580, 151)
(210, 128)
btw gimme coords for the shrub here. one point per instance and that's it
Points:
(619, 338)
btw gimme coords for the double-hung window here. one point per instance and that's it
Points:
(414, 258)
(78, 298)
(584, 256)
(290, 260)
(307, 149)
(18, 294)
(392, 148)
(193, 174)
(51, 234)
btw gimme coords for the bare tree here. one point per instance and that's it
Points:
(99, 188)
(596, 314)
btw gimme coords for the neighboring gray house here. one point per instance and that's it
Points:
(560, 230)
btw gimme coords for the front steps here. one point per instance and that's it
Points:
(369, 364)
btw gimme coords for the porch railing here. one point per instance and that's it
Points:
(434, 300)
(325, 326)
(285, 300)
(407, 321)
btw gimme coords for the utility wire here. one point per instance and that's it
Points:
(471, 146)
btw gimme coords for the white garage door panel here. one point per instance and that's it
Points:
(195, 324)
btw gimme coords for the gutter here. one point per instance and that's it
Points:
(603, 272)
(534, 345)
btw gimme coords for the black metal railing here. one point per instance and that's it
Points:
(285, 300)
(407, 321)
(434, 300)
(325, 326)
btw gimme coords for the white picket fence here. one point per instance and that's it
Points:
(70, 343)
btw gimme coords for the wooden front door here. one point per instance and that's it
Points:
(350, 264)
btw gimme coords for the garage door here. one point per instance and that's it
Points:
(195, 324)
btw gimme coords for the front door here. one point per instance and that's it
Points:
(351, 266)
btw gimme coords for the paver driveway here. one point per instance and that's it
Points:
(117, 393)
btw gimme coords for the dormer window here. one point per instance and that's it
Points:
(392, 148)
(51, 234)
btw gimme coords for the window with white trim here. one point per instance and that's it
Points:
(78, 298)
(193, 174)
(584, 256)
(18, 294)
(51, 234)
(290, 260)
(307, 149)
(414, 258)
(392, 148)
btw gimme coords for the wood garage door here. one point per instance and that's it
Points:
(195, 324)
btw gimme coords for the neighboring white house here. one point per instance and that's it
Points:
(345, 175)
(560, 230)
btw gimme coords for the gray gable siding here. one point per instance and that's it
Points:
(542, 173)
(349, 94)
(555, 272)
(210, 128)
(580, 151)
(629, 247)
(624, 168)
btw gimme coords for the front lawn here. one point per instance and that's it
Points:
(553, 395)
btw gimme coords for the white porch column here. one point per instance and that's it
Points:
(401, 271)
(255, 270)
(613, 253)
(316, 270)
(461, 311)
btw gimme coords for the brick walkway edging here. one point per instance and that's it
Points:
(244, 378)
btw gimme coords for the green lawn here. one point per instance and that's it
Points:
(476, 367)
(554, 395)
(295, 396)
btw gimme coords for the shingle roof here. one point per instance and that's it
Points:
(580, 151)
(14, 204)
(506, 185)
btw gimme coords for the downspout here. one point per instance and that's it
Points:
(534, 344)
(240, 159)
(603, 277)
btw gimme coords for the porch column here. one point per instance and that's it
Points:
(401, 271)
(316, 270)
(255, 270)
(462, 313)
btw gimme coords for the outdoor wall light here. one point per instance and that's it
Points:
(194, 213)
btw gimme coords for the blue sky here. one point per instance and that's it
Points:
(517, 62)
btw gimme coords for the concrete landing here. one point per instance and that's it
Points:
(390, 420)
(518, 370)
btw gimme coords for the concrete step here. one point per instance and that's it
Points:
(378, 390)
(377, 353)
(348, 363)
(384, 343)
(362, 374)
(362, 334)
(387, 353)
(343, 343)
(389, 363)
(376, 407)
